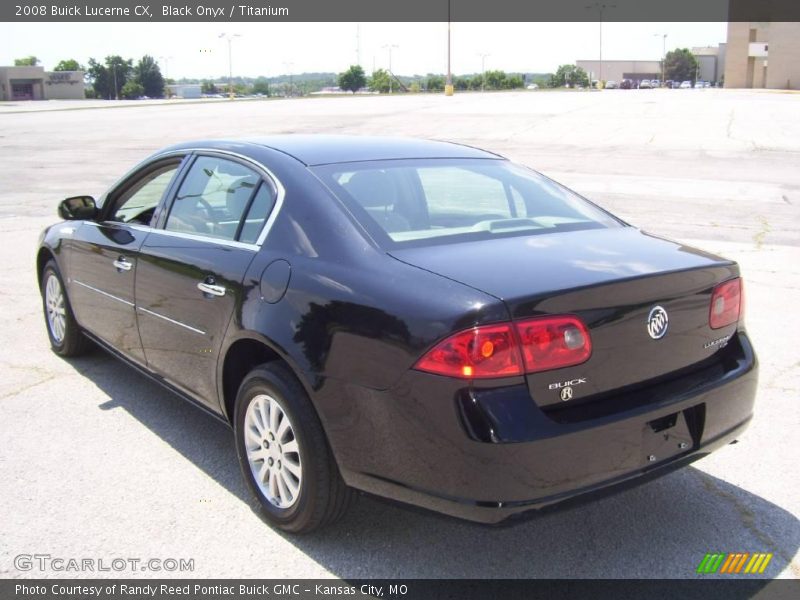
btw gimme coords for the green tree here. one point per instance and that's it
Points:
(28, 61)
(353, 79)
(109, 77)
(69, 65)
(208, 87)
(569, 74)
(379, 81)
(435, 83)
(261, 86)
(148, 74)
(680, 65)
(132, 90)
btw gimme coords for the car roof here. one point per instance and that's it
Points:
(321, 149)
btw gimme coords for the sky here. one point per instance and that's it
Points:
(195, 50)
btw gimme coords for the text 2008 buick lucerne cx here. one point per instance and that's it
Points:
(419, 320)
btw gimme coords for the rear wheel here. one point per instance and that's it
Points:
(283, 452)
(66, 337)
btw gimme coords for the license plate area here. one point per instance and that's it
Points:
(668, 436)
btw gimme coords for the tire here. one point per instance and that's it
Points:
(66, 338)
(302, 489)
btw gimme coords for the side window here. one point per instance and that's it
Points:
(453, 192)
(213, 198)
(139, 202)
(260, 209)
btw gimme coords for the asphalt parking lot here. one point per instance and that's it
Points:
(96, 461)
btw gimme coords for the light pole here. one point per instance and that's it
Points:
(483, 71)
(289, 65)
(663, 54)
(391, 75)
(600, 8)
(166, 60)
(230, 37)
(448, 87)
(116, 89)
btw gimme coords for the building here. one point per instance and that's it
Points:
(617, 70)
(763, 55)
(710, 62)
(34, 83)
(184, 90)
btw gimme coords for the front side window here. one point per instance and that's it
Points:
(138, 203)
(416, 202)
(221, 199)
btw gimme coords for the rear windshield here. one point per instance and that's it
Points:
(419, 202)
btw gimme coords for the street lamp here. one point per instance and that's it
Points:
(391, 75)
(483, 70)
(448, 88)
(663, 53)
(166, 60)
(600, 8)
(230, 37)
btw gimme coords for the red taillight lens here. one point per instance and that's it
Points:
(553, 342)
(726, 302)
(490, 351)
(481, 352)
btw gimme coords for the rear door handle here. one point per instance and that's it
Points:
(122, 264)
(210, 288)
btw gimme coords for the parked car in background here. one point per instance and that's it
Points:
(626, 84)
(698, 85)
(645, 84)
(611, 84)
(655, 83)
(686, 85)
(533, 86)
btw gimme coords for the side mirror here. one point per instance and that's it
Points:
(77, 208)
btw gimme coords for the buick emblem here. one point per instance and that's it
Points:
(657, 323)
(566, 394)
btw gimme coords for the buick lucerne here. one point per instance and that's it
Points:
(418, 320)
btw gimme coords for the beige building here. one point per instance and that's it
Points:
(617, 70)
(763, 55)
(34, 83)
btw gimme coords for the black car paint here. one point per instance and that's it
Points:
(349, 319)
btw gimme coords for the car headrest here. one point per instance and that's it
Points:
(372, 189)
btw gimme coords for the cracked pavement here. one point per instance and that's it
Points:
(97, 461)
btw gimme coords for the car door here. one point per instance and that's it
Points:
(104, 256)
(191, 267)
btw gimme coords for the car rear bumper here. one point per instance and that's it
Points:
(420, 443)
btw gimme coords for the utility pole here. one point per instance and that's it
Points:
(663, 54)
(600, 8)
(391, 74)
(483, 71)
(448, 87)
(230, 37)
(116, 89)
(166, 72)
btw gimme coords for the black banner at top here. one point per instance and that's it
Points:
(394, 10)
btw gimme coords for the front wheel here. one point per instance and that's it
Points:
(66, 337)
(283, 452)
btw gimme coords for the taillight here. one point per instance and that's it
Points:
(726, 302)
(481, 352)
(505, 350)
(553, 342)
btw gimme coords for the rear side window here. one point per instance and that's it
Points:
(221, 199)
(418, 202)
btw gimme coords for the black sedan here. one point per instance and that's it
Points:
(419, 320)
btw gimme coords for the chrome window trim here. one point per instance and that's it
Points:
(173, 321)
(112, 296)
(280, 193)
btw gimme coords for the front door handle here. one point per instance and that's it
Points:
(211, 289)
(122, 264)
